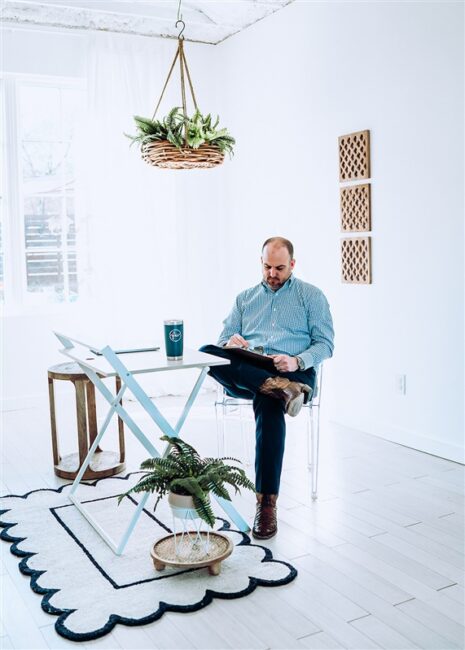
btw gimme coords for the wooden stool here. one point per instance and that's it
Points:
(103, 463)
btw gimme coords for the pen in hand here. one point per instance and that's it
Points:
(237, 340)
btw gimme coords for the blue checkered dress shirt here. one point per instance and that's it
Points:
(293, 320)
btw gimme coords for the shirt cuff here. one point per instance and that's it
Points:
(307, 358)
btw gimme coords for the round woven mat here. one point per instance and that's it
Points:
(219, 548)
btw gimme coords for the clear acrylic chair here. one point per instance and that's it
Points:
(226, 405)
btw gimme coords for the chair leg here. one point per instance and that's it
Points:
(309, 437)
(315, 449)
(245, 439)
(220, 428)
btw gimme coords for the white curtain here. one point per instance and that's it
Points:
(130, 204)
(134, 271)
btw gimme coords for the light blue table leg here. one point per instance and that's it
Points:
(187, 407)
(116, 407)
(143, 399)
(232, 513)
(138, 392)
(132, 524)
(191, 399)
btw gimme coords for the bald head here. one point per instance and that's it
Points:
(278, 242)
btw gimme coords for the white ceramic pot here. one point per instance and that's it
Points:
(182, 506)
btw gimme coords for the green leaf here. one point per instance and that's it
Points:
(171, 128)
(190, 485)
(204, 510)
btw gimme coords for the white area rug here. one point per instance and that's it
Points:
(90, 589)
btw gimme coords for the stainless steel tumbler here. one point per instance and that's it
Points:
(174, 339)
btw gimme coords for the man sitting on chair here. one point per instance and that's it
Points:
(289, 320)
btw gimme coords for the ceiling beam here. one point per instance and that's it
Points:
(220, 25)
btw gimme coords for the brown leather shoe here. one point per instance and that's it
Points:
(293, 393)
(265, 525)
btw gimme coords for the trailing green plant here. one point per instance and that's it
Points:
(200, 130)
(184, 472)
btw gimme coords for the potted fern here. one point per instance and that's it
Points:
(181, 142)
(188, 479)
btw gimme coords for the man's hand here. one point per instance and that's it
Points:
(237, 340)
(285, 363)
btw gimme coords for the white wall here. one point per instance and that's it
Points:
(287, 88)
(297, 81)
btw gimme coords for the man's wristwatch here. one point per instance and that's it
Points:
(300, 363)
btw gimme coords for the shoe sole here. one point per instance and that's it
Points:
(255, 536)
(294, 406)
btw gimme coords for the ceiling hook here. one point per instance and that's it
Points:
(180, 36)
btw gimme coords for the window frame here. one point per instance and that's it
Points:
(16, 299)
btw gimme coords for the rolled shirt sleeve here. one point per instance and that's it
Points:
(321, 331)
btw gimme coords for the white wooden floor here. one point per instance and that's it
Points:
(380, 555)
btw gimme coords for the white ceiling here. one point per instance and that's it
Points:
(207, 21)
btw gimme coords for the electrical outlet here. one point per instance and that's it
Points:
(401, 384)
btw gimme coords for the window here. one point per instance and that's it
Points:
(42, 118)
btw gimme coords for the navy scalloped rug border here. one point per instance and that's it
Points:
(114, 619)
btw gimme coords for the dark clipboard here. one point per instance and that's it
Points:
(256, 359)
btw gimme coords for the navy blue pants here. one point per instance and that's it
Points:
(243, 379)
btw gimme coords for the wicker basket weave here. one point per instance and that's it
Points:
(166, 155)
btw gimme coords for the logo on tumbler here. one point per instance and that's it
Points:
(175, 335)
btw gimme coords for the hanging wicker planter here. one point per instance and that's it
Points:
(165, 155)
(179, 141)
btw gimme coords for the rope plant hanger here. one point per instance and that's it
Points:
(179, 141)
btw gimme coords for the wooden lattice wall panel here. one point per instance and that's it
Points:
(354, 156)
(356, 260)
(356, 208)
